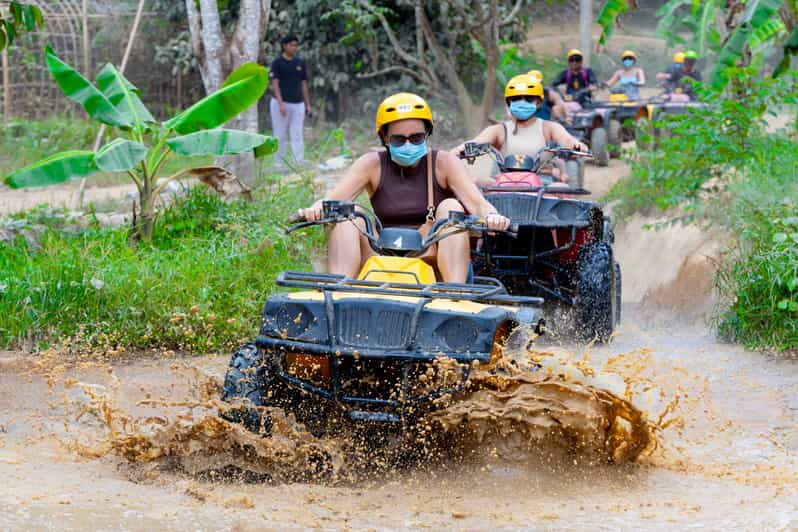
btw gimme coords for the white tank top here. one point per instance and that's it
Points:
(526, 141)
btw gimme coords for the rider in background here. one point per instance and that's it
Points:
(553, 104)
(684, 65)
(629, 78)
(406, 192)
(525, 134)
(577, 78)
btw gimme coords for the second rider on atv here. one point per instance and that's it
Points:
(525, 134)
(406, 191)
(630, 78)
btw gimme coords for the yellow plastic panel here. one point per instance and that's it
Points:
(412, 270)
(615, 98)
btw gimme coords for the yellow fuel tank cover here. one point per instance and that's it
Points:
(397, 270)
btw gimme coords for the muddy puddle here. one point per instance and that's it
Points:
(681, 431)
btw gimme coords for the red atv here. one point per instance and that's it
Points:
(563, 251)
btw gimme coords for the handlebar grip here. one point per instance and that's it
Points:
(513, 228)
(296, 218)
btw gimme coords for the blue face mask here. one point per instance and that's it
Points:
(628, 62)
(408, 153)
(522, 109)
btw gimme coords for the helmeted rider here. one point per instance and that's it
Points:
(629, 78)
(553, 104)
(579, 81)
(684, 65)
(405, 191)
(525, 134)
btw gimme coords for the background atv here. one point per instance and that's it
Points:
(669, 102)
(377, 349)
(563, 251)
(590, 124)
(624, 115)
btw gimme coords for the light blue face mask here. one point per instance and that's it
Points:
(408, 153)
(628, 62)
(522, 109)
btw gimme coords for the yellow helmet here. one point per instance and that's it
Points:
(524, 85)
(401, 106)
(575, 51)
(678, 57)
(535, 74)
(628, 53)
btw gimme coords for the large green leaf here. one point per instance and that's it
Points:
(120, 155)
(216, 142)
(666, 15)
(80, 90)
(240, 90)
(790, 49)
(54, 169)
(123, 95)
(608, 16)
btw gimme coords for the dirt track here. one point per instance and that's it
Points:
(727, 460)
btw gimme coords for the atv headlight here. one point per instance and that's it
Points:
(458, 334)
(292, 319)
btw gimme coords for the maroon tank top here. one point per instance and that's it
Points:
(401, 197)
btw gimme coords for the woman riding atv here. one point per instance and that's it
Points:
(629, 78)
(525, 134)
(406, 191)
(553, 105)
(579, 81)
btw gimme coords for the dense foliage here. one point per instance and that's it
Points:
(723, 164)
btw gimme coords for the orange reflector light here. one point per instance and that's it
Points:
(312, 368)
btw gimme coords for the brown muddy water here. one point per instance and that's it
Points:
(665, 428)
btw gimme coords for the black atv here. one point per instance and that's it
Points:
(591, 125)
(563, 251)
(378, 349)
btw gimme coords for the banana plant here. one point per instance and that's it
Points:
(144, 144)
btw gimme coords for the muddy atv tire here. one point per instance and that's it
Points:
(618, 286)
(596, 296)
(614, 137)
(576, 173)
(244, 386)
(598, 145)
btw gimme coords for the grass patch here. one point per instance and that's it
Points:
(198, 286)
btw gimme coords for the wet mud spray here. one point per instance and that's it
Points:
(527, 403)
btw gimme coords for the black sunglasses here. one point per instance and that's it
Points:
(400, 140)
(529, 99)
(575, 59)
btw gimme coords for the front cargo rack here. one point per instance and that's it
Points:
(482, 290)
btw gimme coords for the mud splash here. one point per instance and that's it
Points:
(537, 400)
(525, 403)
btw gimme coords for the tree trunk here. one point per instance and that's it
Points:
(219, 55)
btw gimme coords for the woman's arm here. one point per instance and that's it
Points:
(614, 79)
(557, 133)
(355, 180)
(641, 77)
(490, 135)
(459, 182)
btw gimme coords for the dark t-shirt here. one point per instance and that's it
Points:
(575, 80)
(545, 110)
(676, 73)
(291, 75)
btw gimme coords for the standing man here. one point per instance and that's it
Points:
(290, 102)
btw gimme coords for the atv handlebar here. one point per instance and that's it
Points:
(472, 150)
(458, 222)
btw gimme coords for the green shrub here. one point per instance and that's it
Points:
(720, 165)
(198, 286)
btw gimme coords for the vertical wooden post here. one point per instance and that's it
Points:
(86, 45)
(585, 29)
(6, 89)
